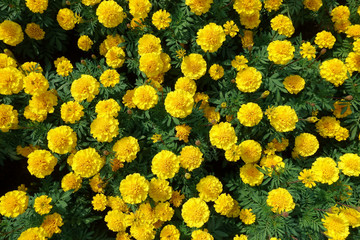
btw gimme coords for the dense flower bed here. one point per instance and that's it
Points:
(195, 119)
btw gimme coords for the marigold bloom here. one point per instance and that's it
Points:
(201, 235)
(193, 66)
(325, 39)
(250, 151)
(247, 7)
(283, 25)
(43, 103)
(115, 57)
(190, 158)
(90, 2)
(353, 31)
(250, 174)
(86, 87)
(306, 176)
(42, 204)
(182, 132)
(161, 19)
(250, 114)
(13, 203)
(349, 164)
(84, 43)
(11, 81)
(211, 37)
(294, 84)
(340, 13)
(169, 232)
(179, 103)
(97, 184)
(307, 51)
(247, 40)
(61, 139)
(37, 233)
(239, 63)
(51, 224)
(71, 181)
(336, 225)
(165, 164)
(109, 78)
(139, 8)
(313, 5)
(334, 71)
(64, 67)
(134, 188)
(7, 61)
(342, 109)
(224, 204)
(71, 111)
(230, 28)
(306, 144)
(35, 83)
(104, 128)
(37, 6)
(110, 14)
(87, 162)
(250, 21)
(145, 97)
(282, 118)
(232, 154)
(247, 216)
(352, 215)
(151, 64)
(163, 211)
(280, 200)
(272, 5)
(34, 31)
(9, 118)
(199, 7)
(126, 148)
(280, 52)
(66, 19)
(109, 42)
(325, 170)
(195, 212)
(159, 190)
(328, 126)
(209, 188)
(149, 44)
(186, 84)
(248, 80)
(240, 237)
(127, 99)
(352, 62)
(222, 135)
(11, 33)
(342, 134)
(25, 151)
(272, 162)
(216, 71)
(41, 163)
(116, 220)
(99, 202)
(107, 108)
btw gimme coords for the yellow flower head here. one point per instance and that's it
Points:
(216, 71)
(134, 188)
(7, 61)
(109, 42)
(201, 235)
(41, 163)
(9, 118)
(87, 162)
(280, 200)
(126, 149)
(313, 5)
(244, 7)
(145, 97)
(306, 144)
(35, 83)
(209, 188)
(37, 6)
(340, 13)
(250, 174)
(90, 2)
(182, 132)
(110, 14)
(13, 203)
(190, 158)
(104, 128)
(179, 103)
(71, 111)
(176, 198)
(33, 233)
(247, 40)
(211, 37)
(203, 97)
(282, 118)
(11, 33)
(325, 170)
(169, 232)
(84, 43)
(163, 211)
(109, 78)
(34, 31)
(117, 203)
(224, 204)
(42, 204)
(149, 44)
(86, 87)
(325, 39)
(248, 80)
(186, 84)
(61, 139)
(11, 81)
(161, 19)
(159, 190)
(139, 8)
(250, 151)
(250, 114)
(127, 99)
(349, 164)
(51, 224)
(199, 7)
(294, 84)
(281, 52)
(272, 162)
(247, 216)
(239, 63)
(25, 151)
(107, 108)
(116, 220)
(151, 64)
(342, 109)
(241, 237)
(283, 25)
(165, 164)
(71, 181)
(306, 176)
(115, 57)
(195, 212)
(336, 225)
(193, 66)
(353, 31)
(64, 67)
(99, 202)
(328, 126)
(307, 51)
(222, 135)
(250, 21)
(97, 184)
(272, 5)
(66, 19)
(230, 28)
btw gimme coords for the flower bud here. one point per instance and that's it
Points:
(323, 51)
(197, 142)
(106, 152)
(349, 97)
(93, 56)
(83, 62)
(129, 111)
(187, 175)
(265, 94)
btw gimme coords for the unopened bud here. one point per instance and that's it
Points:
(83, 62)
(106, 152)
(323, 51)
(129, 111)
(285, 214)
(98, 66)
(312, 119)
(349, 97)
(250, 47)
(265, 94)
(233, 80)
(93, 56)
(187, 175)
(128, 25)
(68, 3)
(197, 142)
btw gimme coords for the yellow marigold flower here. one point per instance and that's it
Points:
(116, 220)
(71, 181)
(11, 81)
(13, 203)
(280, 52)
(145, 214)
(306, 144)
(176, 198)
(179, 103)
(272, 5)
(169, 232)
(159, 190)
(328, 126)
(209, 188)
(145, 97)
(325, 170)
(190, 158)
(86, 87)
(248, 80)
(352, 215)
(109, 42)
(211, 114)
(349, 164)
(84, 43)
(34, 31)
(163, 211)
(282, 118)
(104, 128)
(90, 2)
(230, 28)
(42, 204)
(307, 51)
(222, 135)
(99, 202)
(342, 26)
(134, 188)
(239, 63)
(107, 108)
(224, 204)
(247, 217)
(43, 103)
(250, 114)
(110, 14)
(11, 33)
(342, 134)
(35, 83)
(247, 7)
(342, 109)
(151, 64)
(211, 37)
(241, 237)
(193, 66)
(294, 84)
(336, 225)
(142, 231)
(306, 176)
(247, 40)
(201, 235)
(64, 67)
(126, 148)
(356, 45)
(165, 164)
(232, 154)
(41, 163)
(139, 8)
(61, 139)
(97, 184)
(353, 31)
(9, 118)
(137, 23)
(313, 5)
(127, 99)
(156, 138)
(109, 78)
(250, 21)
(25, 151)
(7, 61)
(37, 233)
(161, 19)
(149, 44)
(117, 203)
(115, 57)
(325, 39)
(250, 151)
(87, 162)
(203, 97)
(186, 84)
(283, 25)
(280, 200)
(182, 132)
(199, 7)
(250, 174)
(37, 6)
(271, 162)
(66, 18)
(195, 212)
(216, 72)
(352, 62)
(51, 224)
(340, 13)
(71, 111)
